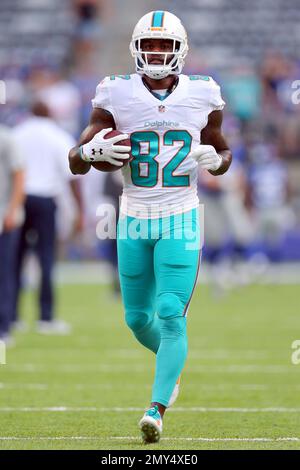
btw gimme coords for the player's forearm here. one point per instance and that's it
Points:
(77, 165)
(17, 194)
(226, 162)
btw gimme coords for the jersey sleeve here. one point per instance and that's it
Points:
(215, 100)
(102, 97)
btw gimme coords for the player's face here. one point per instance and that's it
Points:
(155, 46)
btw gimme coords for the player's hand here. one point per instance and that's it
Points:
(100, 149)
(207, 157)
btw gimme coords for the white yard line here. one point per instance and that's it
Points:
(22, 386)
(134, 438)
(118, 368)
(135, 409)
(58, 438)
(62, 386)
(113, 386)
(217, 439)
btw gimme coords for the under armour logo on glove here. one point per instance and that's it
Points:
(100, 151)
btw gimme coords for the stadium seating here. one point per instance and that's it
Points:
(31, 29)
(242, 28)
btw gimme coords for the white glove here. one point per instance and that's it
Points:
(207, 157)
(100, 149)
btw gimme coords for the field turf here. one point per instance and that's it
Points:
(88, 390)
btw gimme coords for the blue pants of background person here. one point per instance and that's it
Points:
(8, 243)
(39, 226)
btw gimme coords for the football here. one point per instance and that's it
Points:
(106, 166)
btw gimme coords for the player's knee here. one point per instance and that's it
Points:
(169, 306)
(170, 312)
(136, 320)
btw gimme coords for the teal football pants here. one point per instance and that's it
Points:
(158, 266)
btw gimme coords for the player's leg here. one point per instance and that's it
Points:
(135, 261)
(21, 249)
(44, 220)
(176, 264)
(8, 242)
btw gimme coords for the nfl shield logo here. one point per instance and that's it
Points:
(161, 108)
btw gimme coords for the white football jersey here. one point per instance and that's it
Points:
(161, 178)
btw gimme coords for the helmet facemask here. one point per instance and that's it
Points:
(173, 60)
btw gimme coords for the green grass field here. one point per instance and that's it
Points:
(88, 390)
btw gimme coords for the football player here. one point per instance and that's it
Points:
(174, 123)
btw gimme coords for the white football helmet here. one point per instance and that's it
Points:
(159, 25)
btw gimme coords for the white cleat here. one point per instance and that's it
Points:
(53, 327)
(20, 326)
(175, 393)
(151, 426)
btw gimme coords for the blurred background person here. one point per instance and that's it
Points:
(228, 229)
(269, 198)
(45, 146)
(11, 214)
(51, 86)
